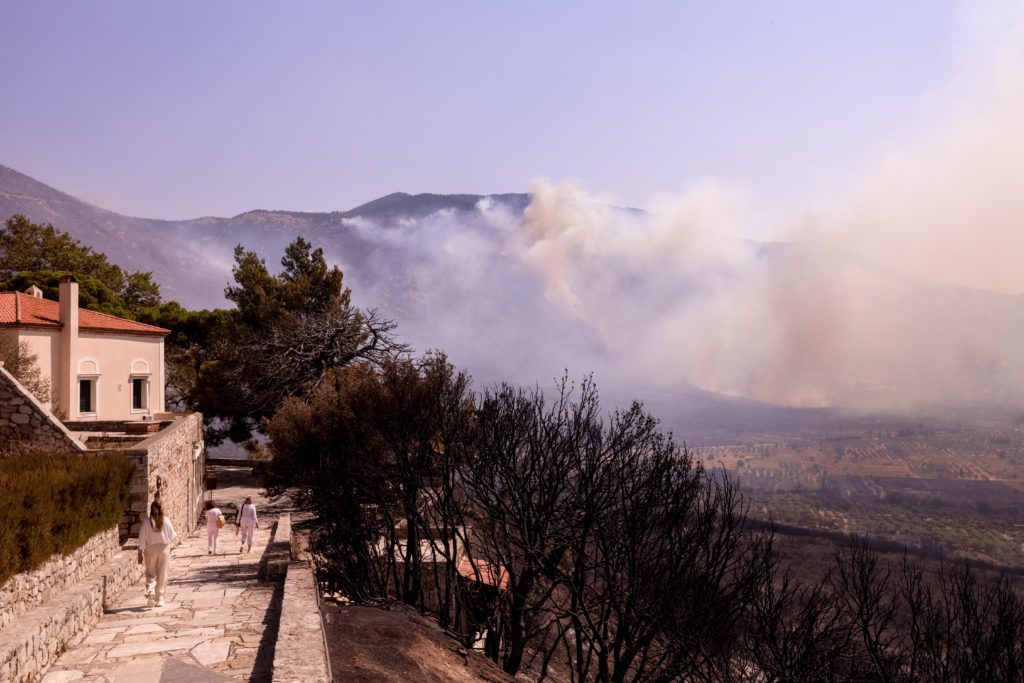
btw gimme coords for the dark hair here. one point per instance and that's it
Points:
(248, 500)
(156, 516)
(209, 505)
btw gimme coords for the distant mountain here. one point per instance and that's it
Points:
(803, 324)
(401, 204)
(191, 258)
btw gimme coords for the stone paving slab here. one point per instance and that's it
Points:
(213, 627)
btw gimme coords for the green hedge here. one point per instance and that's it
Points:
(55, 503)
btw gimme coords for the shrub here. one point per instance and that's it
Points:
(55, 503)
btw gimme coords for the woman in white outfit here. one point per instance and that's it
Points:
(248, 521)
(214, 521)
(155, 539)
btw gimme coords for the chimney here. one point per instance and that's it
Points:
(68, 383)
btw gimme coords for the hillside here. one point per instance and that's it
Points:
(191, 258)
(395, 643)
(796, 324)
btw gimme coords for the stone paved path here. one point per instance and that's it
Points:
(218, 623)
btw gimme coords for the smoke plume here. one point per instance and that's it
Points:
(873, 298)
(662, 300)
(945, 204)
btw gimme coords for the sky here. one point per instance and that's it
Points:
(177, 110)
(894, 130)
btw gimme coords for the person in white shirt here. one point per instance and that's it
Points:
(155, 539)
(214, 521)
(248, 522)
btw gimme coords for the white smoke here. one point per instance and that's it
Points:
(945, 204)
(659, 301)
(672, 297)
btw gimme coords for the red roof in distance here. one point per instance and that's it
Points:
(483, 572)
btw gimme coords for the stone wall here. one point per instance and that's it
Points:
(168, 460)
(28, 423)
(21, 593)
(300, 655)
(30, 644)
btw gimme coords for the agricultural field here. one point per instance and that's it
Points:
(957, 491)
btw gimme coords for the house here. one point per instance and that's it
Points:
(100, 367)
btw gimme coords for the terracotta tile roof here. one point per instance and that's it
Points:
(21, 310)
(484, 572)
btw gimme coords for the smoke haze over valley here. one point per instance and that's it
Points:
(667, 306)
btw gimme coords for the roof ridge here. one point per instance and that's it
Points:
(28, 316)
(117, 317)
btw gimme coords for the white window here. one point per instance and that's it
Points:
(140, 393)
(139, 381)
(87, 395)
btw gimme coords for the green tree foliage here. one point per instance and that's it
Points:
(32, 253)
(286, 333)
(194, 339)
(236, 366)
(18, 359)
(55, 503)
(305, 285)
(93, 293)
(361, 452)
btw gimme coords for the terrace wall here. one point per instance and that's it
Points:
(22, 592)
(31, 644)
(171, 462)
(28, 423)
(45, 610)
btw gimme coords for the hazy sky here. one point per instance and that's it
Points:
(212, 108)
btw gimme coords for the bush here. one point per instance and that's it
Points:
(55, 503)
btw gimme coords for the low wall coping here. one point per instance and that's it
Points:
(301, 651)
(279, 550)
(143, 446)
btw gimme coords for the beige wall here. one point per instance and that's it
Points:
(43, 343)
(114, 360)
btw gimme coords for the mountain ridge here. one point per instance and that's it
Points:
(140, 243)
(823, 326)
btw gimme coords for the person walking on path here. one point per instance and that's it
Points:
(214, 523)
(155, 540)
(248, 521)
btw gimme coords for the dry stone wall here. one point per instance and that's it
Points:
(31, 643)
(22, 592)
(28, 423)
(44, 611)
(167, 461)
(138, 497)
